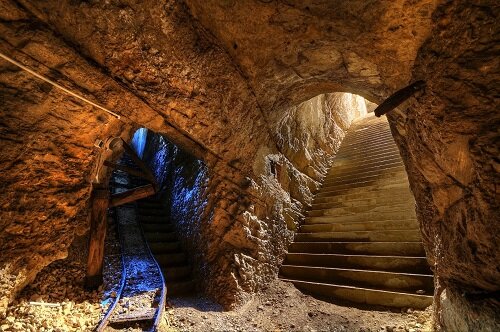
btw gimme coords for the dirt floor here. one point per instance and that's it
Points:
(57, 302)
(281, 307)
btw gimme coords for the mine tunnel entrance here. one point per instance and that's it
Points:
(157, 233)
(360, 241)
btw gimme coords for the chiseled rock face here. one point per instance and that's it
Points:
(222, 79)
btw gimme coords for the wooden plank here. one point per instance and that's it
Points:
(138, 161)
(127, 169)
(131, 195)
(98, 219)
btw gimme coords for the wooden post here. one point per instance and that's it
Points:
(98, 219)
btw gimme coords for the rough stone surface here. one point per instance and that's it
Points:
(222, 79)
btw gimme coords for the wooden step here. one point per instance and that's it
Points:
(375, 189)
(406, 264)
(368, 151)
(362, 236)
(363, 183)
(365, 295)
(361, 226)
(390, 281)
(362, 208)
(366, 173)
(354, 171)
(363, 165)
(395, 172)
(364, 195)
(360, 248)
(368, 202)
(362, 217)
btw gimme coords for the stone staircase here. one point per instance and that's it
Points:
(162, 239)
(360, 241)
(165, 246)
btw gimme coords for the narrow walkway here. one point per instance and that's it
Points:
(360, 241)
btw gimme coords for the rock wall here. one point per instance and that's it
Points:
(449, 139)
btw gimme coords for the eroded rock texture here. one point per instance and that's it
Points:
(225, 81)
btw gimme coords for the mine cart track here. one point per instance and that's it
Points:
(141, 297)
(140, 300)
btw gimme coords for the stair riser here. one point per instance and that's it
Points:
(364, 226)
(368, 189)
(368, 150)
(381, 189)
(363, 184)
(350, 172)
(375, 263)
(371, 297)
(385, 174)
(369, 134)
(364, 194)
(339, 167)
(367, 202)
(387, 281)
(362, 217)
(376, 154)
(363, 236)
(360, 248)
(375, 208)
(365, 173)
(361, 159)
(369, 143)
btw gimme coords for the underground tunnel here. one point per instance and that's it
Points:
(249, 165)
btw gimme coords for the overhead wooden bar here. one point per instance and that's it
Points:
(131, 195)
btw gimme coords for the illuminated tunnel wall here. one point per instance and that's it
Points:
(183, 183)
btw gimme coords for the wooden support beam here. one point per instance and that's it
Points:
(98, 218)
(138, 161)
(398, 97)
(127, 169)
(131, 195)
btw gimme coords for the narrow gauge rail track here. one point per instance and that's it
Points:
(140, 300)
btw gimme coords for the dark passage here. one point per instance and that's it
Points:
(169, 219)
